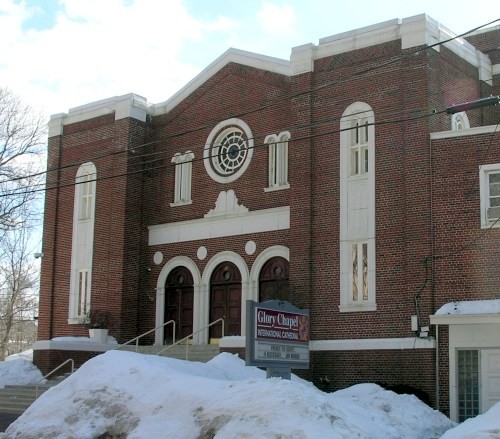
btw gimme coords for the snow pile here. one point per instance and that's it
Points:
(470, 307)
(18, 371)
(124, 394)
(486, 426)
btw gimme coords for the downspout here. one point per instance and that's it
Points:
(433, 302)
(437, 369)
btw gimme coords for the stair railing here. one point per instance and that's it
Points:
(186, 339)
(136, 339)
(69, 360)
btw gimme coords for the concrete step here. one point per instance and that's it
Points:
(201, 353)
(16, 399)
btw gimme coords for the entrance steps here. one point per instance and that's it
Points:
(15, 399)
(201, 353)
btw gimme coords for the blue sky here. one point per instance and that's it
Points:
(58, 54)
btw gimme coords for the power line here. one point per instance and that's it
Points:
(284, 99)
(308, 137)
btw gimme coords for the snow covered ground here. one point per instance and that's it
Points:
(19, 369)
(128, 395)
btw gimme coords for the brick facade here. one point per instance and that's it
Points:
(430, 248)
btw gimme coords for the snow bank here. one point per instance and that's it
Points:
(18, 371)
(124, 394)
(486, 426)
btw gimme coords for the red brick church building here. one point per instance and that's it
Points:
(344, 180)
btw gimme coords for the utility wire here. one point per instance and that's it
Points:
(308, 137)
(287, 98)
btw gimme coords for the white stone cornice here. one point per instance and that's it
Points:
(129, 105)
(350, 345)
(237, 56)
(266, 220)
(489, 129)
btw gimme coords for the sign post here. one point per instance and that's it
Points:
(277, 337)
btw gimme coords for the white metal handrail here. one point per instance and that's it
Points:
(186, 339)
(69, 360)
(136, 339)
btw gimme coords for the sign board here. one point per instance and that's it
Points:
(277, 336)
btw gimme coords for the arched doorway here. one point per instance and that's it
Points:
(225, 300)
(273, 280)
(179, 295)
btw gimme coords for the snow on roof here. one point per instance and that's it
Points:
(470, 307)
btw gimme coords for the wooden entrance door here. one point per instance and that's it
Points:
(225, 300)
(273, 280)
(179, 297)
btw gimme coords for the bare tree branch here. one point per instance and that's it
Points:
(22, 139)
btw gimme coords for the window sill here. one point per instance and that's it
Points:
(362, 307)
(276, 188)
(181, 203)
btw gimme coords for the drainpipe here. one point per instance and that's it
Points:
(437, 369)
(433, 301)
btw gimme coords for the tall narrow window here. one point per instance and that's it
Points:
(82, 243)
(357, 209)
(489, 184)
(359, 146)
(83, 292)
(86, 187)
(359, 272)
(278, 160)
(183, 176)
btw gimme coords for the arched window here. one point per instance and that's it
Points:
(183, 177)
(460, 121)
(278, 160)
(357, 209)
(83, 242)
(273, 280)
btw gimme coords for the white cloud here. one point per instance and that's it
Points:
(276, 20)
(99, 49)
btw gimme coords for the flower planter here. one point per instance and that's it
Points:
(98, 334)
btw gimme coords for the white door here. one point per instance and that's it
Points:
(490, 378)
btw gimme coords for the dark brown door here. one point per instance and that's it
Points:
(273, 280)
(225, 300)
(179, 296)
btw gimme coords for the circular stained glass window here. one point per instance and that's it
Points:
(228, 150)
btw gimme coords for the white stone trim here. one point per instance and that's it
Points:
(213, 136)
(350, 345)
(129, 105)
(467, 132)
(413, 31)
(259, 221)
(263, 62)
(178, 261)
(88, 346)
(227, 204)
(373, 344)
